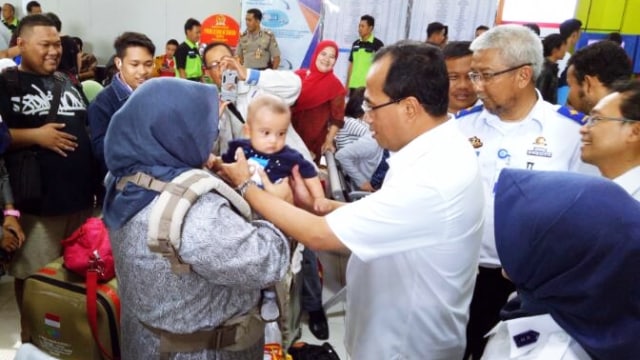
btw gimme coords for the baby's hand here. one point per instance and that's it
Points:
(214, 163)
(321, 205)
(366, 186)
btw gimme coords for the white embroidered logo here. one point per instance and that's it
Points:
(39, 104)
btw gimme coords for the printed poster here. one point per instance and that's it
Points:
(296, 25)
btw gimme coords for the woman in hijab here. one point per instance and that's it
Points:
(167, 127)
(571, 245)
(319, 111)
(316, 116)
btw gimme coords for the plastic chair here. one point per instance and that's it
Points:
(339, 190)
(91, 88)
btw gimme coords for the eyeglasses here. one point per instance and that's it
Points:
(477, 77)
(366, 107)
(212, 65)
(457, 77)
(593, 120)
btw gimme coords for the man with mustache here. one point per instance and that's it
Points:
(514, 128)
(410, 275)
(457, 56)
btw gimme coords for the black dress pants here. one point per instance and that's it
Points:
(489, 296)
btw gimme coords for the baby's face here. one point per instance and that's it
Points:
(268, 131)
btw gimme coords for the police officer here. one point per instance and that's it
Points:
(515, 128)
(258, 47)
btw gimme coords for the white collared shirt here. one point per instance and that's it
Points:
(562, 63)
(414, 246)
(630, 181)
(550, 342)
(543, 140)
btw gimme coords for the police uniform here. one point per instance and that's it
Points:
(257, 50)
(547, 139)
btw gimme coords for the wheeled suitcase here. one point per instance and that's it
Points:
(56, 310)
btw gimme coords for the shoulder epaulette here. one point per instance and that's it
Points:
(471, 110)
(268, 32)
(572, 114)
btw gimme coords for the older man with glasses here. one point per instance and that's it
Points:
(611, 136)
(514, 128)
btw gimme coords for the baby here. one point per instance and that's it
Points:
(268, 119)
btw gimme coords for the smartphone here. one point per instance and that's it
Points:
(229, 87)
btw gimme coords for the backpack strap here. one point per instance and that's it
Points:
(164, 237)
(58, 80)
(13, 82)
(238, 333)
(234, 110)
(176, 197)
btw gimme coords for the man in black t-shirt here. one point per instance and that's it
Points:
(61, 146)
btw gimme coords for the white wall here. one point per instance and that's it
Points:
(99, 22)
(462, 17)
(402, 19)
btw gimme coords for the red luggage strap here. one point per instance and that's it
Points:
(96, 269)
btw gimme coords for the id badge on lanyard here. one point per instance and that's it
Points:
(503, 161)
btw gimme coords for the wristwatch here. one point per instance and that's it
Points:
(242, 188)
(12, 212)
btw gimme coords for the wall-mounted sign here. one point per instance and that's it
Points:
(222, 28)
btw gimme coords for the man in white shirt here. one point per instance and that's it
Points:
(611, 136)
(515, 128)
(414, 242)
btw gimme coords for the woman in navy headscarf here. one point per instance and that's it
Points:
(167, 127)
(571, 245)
